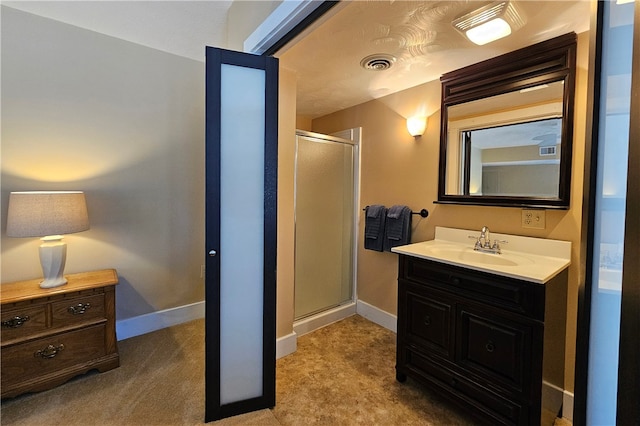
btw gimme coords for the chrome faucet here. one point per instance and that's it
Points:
(483, 242)
(484, 239)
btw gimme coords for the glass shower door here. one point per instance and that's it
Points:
(324, 217)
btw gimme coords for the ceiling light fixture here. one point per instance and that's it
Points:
(491, 22)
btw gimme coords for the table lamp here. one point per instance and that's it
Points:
(48, 214)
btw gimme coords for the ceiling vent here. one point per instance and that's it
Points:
(378, 62)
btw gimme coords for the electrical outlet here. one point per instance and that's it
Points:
(201, 271)
(533, 218)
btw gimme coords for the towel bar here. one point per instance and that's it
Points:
(422, 213)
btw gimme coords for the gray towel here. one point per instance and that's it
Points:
(374, 222)
(397, 227)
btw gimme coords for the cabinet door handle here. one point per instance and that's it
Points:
(78, 309)
(15, 322)
(49, 352)
(490, 347)
(427, 320)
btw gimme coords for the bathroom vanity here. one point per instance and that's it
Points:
(483, 329)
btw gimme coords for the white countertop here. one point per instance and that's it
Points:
(531, 259)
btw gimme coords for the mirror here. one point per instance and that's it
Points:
(507, 129)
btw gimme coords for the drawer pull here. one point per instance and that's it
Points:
(427, 320)
(79, 309)
(455, 280)
(49, 352)
(490, 347)
(15, 322)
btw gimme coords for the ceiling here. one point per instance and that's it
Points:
(418, 34)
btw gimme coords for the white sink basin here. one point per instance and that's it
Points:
(468, 254)
(531, 259)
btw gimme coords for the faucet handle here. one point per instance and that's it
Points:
(477, 245)
(496, 243)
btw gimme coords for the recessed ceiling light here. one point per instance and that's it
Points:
(378, 62)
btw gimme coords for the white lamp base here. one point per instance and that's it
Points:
(53, 255)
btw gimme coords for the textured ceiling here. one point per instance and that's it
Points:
(418, 34)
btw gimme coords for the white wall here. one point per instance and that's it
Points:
(125, 124)
(244, 16)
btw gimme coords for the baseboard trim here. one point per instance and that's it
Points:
(307, 325)
(567, 405)
(286, 345)
(377, 315)
(552, 397)
(153, 321)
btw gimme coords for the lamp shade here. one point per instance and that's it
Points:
(43, 213)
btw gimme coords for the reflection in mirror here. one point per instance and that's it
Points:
(506, 145)
(507, 128)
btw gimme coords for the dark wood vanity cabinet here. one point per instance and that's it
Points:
(474, 337)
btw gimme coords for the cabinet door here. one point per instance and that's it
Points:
(496, 348)
(429, 322)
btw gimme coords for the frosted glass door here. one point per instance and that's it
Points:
(324, 224)
(241, 227)
(609, 214)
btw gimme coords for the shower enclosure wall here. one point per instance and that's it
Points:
(324, 222)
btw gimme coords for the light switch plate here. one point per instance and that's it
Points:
(533, 218)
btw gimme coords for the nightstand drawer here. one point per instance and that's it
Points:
(49, 354)
(77, 310)
(22, 322)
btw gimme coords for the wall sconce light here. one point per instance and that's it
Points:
(48, 214)
(416, 126)
(491, 22)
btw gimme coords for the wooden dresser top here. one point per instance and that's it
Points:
(30, 289)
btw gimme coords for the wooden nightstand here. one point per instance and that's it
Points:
(48, 336)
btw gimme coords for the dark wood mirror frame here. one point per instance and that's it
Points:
(545, 62)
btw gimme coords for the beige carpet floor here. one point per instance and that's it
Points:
(342, 374)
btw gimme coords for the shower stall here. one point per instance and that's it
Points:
(325, 222)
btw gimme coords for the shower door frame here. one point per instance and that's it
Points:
(355, 142)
